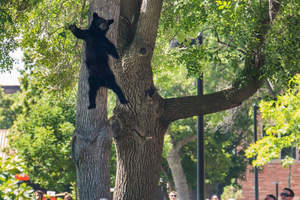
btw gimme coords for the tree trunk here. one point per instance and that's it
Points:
(92, 138)
(91, 145)
(174, 162)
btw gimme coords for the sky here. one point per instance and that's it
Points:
(11, 78)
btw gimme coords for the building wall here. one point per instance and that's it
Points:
(10, 89)
(271, 173)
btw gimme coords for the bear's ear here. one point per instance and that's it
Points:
(110, 21)
(95, 15)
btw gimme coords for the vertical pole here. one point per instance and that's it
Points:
(290, 175)
(276, 190)
(200, 147)
(255, 109)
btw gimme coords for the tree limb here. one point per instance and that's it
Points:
(129, 16)
(138, 19)
(183, 142)
(184, 107)
(269, 88)
(148, 21)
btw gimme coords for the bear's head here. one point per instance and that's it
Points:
(100, 25)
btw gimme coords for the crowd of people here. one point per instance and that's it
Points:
(39, 195)
(286, 194)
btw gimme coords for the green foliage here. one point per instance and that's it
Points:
(7, 33)
(45, 125)
(231, 32)
(40, 29)
(12, 16)
(282, 119)
(283, 46)
(9, 189)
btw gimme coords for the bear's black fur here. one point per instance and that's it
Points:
(97, 49)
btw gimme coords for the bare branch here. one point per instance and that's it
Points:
(270, 89)
(183, 142)
(229, 45)
(184, 107)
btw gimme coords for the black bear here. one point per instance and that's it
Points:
(97, 49)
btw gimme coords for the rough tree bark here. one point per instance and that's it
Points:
(138, 128)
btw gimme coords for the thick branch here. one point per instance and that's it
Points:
(148, 21)
(129, 16)
(138, 20)
(184, 107)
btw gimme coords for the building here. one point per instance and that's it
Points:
(272, 173)
(10, 89)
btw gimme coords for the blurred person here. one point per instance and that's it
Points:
(172, 195)
(287, 194)
(38, 195)
(214, 197)
(270, 197)
(67, 197)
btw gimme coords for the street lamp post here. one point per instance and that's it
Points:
(200, 124)
(200, 147)
(255, 109)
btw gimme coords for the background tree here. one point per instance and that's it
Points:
(45, 125)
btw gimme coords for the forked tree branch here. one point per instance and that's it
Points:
(138, 19)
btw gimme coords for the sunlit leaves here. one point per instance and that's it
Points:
(282, 122)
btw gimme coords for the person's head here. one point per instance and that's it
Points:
(214, 197)
(38, 195)
(172, 195)
(270, 197)
(67, 197)
(287, 194)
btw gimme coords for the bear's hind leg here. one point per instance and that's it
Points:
(94, 85)
(111, 84)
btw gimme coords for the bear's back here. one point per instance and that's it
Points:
(96, 50)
